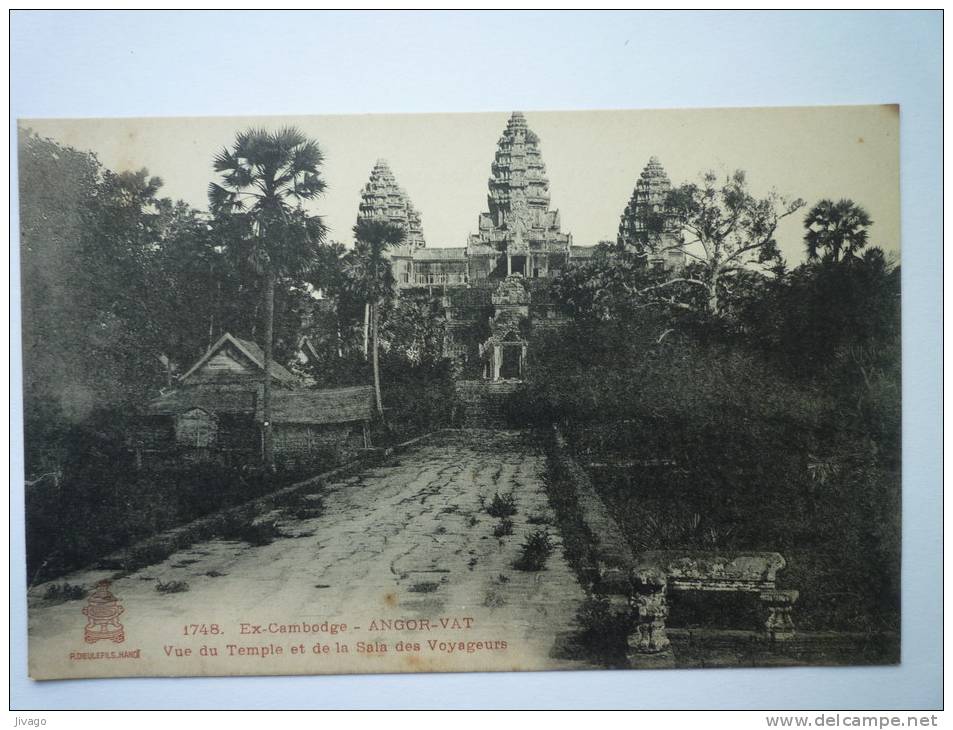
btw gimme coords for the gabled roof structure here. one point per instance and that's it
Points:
(250, 350)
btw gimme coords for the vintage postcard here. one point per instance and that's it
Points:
(461, 392)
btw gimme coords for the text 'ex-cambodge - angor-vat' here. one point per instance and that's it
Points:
(496, 290)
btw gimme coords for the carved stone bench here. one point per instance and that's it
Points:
(656, 573)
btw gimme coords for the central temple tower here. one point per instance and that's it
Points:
(519, 234)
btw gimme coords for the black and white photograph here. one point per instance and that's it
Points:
(462, 392)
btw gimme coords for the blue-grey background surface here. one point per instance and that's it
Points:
(98, 64)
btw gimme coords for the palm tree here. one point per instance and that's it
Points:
(265, 177)
(836, 228)
(371, 273)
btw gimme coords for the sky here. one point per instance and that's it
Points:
(593, 160)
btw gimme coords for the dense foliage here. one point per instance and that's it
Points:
(736, 404)
(265, 178)
(124, 289)
(774, 426)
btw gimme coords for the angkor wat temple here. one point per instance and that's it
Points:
(495, 291)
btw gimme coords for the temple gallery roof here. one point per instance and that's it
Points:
(429, 254)
(440, 254)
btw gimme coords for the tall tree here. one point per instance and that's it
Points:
(835, 229)
(725, 230)
(96, 302)
(371, 272)
(415, 330)
(265, 178)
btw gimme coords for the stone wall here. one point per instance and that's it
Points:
(165, 543)
(604, 557)
(238, 441)
(482, 404)
(606, 565)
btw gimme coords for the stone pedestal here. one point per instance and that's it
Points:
(779, 604)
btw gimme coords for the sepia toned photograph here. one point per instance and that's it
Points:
(508, 391)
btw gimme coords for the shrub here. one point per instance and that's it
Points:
(502, 505)
(303, 507)
(503, 528)
(604, 630)
(62, 592)
(173, 586)
(427, 587)
(535, 551)
(102, 504)
(254, 533)
(146, 554)
(494, 599)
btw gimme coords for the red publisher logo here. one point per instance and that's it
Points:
(102, 612)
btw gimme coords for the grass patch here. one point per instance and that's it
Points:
(424, 587)
(535, 551)
(254, 533)
(173, 586)
(62, 592)
(579, 544)
(305, 512)
(502, 505)
(146, 554)
(303, 507)
(604, 631)
(184, 563)
(503, 528)
(539, 518)
(82, 523)
(493, 599)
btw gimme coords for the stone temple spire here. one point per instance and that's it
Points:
(383, 199)
(645, 224)
(519, 187)
(645, 213)
(519, 222)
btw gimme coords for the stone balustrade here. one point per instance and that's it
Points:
(658, 573)
(642, 585)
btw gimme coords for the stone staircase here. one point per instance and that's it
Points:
(481, 403)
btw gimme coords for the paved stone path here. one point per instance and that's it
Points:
(410, 542)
